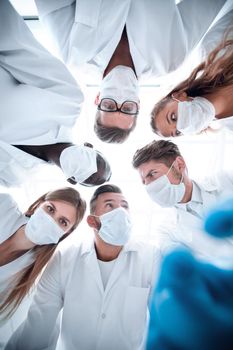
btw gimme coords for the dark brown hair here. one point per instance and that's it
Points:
(112, 134)
(24, 280)
(209, 76)
(100, 190)
(162, 151)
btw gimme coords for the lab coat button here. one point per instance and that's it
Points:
(103, 315)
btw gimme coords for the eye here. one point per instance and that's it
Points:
(178, 133)
(50, 208)
(109, 205)
(125, 206)
(63, 222)
(173, 117)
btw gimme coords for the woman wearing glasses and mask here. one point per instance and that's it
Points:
(27, 242)
(206, 95)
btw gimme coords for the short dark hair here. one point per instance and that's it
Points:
(162, 150)
(100, 190)
(112, 134)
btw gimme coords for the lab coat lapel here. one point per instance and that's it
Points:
(93, 267)
(118, 269)
(209, 194)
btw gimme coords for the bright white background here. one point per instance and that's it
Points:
(204, 154)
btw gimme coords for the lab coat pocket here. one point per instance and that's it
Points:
(135, 313)
(87, 12)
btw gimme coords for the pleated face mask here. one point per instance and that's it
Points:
(121, 84)
(115, 227)
(194, 116)
(42, 228)
(164, 193)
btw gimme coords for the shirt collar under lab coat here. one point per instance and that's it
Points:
(89, 247)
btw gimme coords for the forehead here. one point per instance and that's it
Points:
(110, 196)
(151, 165)
(162, 123)
(116, 119)
(62, 206)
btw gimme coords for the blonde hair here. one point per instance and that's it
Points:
(25, 279)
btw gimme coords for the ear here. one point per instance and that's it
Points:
(97, 99)
(180, 164)
(91, 220)
(180, 95)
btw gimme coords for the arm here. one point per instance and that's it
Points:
(38, 331)
(28, 61)
(58, 19)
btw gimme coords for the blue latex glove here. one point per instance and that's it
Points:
(192, 304)
(219, 221)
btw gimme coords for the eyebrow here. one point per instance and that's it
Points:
(168, 120)
(113, 200)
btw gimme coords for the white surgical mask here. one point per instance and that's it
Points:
(42, 229)
(194, 116)
(164, 193)
(115, 227)
(121, 84)
(78, 162)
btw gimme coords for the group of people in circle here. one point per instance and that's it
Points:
(96, 295)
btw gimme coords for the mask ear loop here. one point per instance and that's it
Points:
(175, 99)
(182, 176)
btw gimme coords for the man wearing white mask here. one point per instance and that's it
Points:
(125, 41)
(40, 103)
(102, 285)
(164, 173)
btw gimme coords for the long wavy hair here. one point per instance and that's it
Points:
(23, 281)
(209, 76)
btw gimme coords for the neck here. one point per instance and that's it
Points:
(222, 102)
(15, 246)
(121, 55)
(105, 251)
(188, 190)
(49, 153)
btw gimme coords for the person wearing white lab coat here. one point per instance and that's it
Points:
(164, 173)
(125, 41)
(103, 286)
(27, 242)
(40, 103)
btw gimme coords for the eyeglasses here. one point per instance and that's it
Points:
(110, 105)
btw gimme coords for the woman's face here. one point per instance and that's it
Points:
(165, 121)
(62, 212)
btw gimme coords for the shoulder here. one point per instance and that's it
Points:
(6, 201)
(217, 181)
(143, 249)
(69, 251)
(11, 217)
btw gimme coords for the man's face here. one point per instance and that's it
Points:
(111, 112)
(152, 170)
(117, 120)
(109, 201)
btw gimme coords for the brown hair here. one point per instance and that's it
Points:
(112, 134)
(162, 150)
(24, 280)
(209, 76)
(102, 189)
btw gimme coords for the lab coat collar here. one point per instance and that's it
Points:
(89, 247)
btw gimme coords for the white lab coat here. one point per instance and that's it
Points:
(186, 228)
(10, 221)
(93, 318)
(40, 100)
(161, 34)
